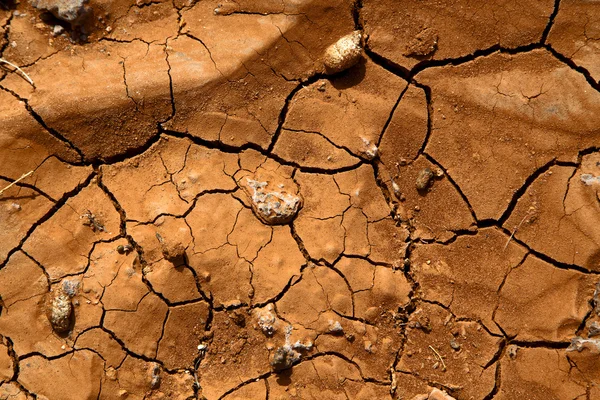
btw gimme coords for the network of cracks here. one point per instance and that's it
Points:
(195, 207)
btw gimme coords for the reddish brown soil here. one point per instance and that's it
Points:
(213, 215)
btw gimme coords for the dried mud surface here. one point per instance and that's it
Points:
(213, 214)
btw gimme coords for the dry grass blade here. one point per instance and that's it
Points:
(16, 181)
(23, 73)
(439, 357)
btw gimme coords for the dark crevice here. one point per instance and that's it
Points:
(48, 215)
(550, 260)
(22, 184)
(6, 32)
(252, 146)
(540, 344)
(391, 116)
(356, 15)
(566, 60)
(454, 184)
(246, 382)
(294, 280)
(550, 22)
(337, 146)
(497, 383)
(528, 182)
(284, 110)
(427, 91)
(40, 121)
(129, 153)
(171, 90)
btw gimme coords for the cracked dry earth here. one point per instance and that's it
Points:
(213, 214)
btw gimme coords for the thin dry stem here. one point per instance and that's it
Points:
(515, 231)
(16, 181)
(439, 356)
(23, 73)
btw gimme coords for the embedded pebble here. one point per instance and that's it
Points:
(283, 358)
(59, 310)
(335, 327)
(424, 179)
(594, 329)
(578, 344)
(57, 30)
(344, 53)
(276, 206)
(173, 251)
(266, 320)
(455, 345)
(590, 179)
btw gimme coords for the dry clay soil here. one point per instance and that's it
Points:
(154, 140)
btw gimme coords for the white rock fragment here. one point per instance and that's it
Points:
(590, 179)
(267, 320)
(57, 30)
(275, 206)
(344, 53)
(335, 327)
(285, 356)
(578, 344)
(370, 149)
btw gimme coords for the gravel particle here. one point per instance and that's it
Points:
(424, 179)
(59, 311)
(344, 53)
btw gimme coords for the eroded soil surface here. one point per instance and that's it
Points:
(197, 207)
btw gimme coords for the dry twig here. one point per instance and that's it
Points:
(515, 231)
(16, 181)
(23, 73)
(438, 356)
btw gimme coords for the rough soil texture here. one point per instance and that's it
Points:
(222, 200)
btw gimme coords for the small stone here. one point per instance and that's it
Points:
(57, 30)
(344, 53)
(424, 179)
(594, 329)
(455, 345)
(335, 327)
(284, 358)
(72, 11)
(154, 372)
(511, 351)
(59, 310)
(173, 252)
(276, 206)
(70, 287)
(579, 344)
(423, 44)
(124, 249)
(267, 320)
